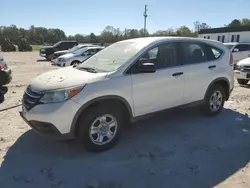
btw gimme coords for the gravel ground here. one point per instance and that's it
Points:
(180, 148)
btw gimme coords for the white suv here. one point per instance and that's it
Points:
(125, 81)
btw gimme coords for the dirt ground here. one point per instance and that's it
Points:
(178, 149)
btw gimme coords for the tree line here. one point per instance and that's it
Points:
(110, 34)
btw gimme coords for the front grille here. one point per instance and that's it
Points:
(31, 99)
(246, 68)
(242, 68)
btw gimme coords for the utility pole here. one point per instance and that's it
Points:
(145, 20)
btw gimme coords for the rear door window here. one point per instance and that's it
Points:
(64, 46)
(194, 53)
(69, 45)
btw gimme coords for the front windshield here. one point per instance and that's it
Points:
(80, 51)
(56, 44)
(230, 46)
(111, 58)
(75, 48)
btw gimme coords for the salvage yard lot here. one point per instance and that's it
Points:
(180, 148)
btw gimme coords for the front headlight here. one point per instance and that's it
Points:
(59, 95)
(60, 59)
(238, 67)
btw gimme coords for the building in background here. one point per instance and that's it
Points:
(227, 34)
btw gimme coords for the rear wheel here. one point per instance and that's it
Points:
(242, 81)
(214, 100)
(100, 127)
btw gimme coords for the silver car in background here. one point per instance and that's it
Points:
(62, 52)
(77, 56)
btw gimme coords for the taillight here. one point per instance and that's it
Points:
(231, 63)
(1, 68)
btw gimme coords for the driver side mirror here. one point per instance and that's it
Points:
(147, 67)
(236, 50)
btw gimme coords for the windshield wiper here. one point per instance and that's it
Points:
(88, 69)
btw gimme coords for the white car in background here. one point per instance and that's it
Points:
(77, 56)
(240, 50)
(242, 71)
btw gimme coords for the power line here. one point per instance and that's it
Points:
(145, 19)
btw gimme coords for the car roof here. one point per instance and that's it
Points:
(235, 43)
(156, 40)
(68, 41)
(94, 47)
(88, 45)
(159, 39)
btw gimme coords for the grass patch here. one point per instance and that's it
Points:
(35, 47)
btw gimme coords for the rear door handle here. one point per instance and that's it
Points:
(212, 66)
(177, 74)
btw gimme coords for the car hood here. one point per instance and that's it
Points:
(244, 62)
(46, 47)
(68, 55)
(61, 52)
(64, 78)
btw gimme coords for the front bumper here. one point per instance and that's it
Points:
(5, 77)
(42, 54)
(57, 63)
(242, 75)
(46, 129)
(52, 120)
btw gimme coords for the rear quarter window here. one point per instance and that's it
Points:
(213, 53)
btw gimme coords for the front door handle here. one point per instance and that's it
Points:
(212, 66)
(177, 74)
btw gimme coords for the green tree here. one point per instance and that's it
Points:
(184, 32)
(245, 22)
(235, 23)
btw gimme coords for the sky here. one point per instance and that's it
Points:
(84, 17)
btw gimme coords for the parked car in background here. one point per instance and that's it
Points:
(24, 46)
(8, 46)
(242, 71)
(62, 52)
(48, 51)
(77, 56)
(126, 81)
(5, 73)
(240, 50)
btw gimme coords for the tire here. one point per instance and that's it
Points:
(75, 63)
(53, 57)
(242, 81)
(1, 97)
(91, 119)
(216, 107)
(48, 57)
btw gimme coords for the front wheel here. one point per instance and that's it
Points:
(242, 81)
(214, 100)
(53, 57)
(100, 128)
(75, 63)
(48, 57)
